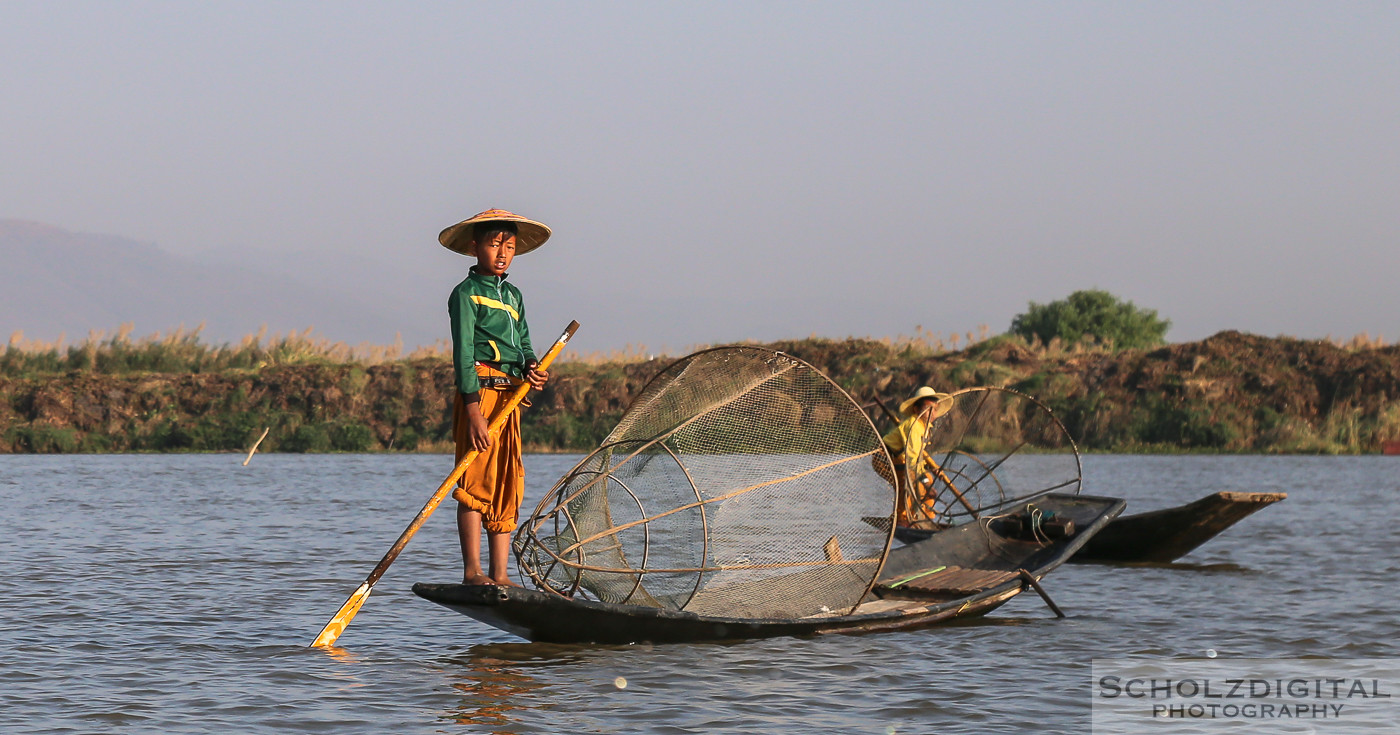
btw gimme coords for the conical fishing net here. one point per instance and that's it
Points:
(993, 449)
(735, 485)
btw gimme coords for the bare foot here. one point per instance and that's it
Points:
(503, 582)
(478, 579)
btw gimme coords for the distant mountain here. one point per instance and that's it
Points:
(54, 281)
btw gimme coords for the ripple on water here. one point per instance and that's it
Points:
(175, 609)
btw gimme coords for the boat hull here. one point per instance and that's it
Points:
(543, 616)
(1163, 536)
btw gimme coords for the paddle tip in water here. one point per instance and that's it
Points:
(341, 621)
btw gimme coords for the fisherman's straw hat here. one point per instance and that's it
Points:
(529, 233)
(943, 403)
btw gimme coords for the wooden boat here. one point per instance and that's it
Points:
(913, 533)
(1162, 536)
(1155, 537)
(962, 572)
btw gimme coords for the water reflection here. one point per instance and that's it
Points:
(493, 692)
(340, 655)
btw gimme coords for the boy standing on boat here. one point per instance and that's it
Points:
(491, 355)
(905, 443)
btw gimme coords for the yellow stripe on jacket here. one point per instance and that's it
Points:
(494, 304)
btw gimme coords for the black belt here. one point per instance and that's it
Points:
(496, 382)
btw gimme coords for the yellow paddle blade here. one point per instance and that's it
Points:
(342, 619)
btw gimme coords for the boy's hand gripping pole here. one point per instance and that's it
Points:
(342, 618)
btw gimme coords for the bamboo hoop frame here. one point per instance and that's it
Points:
(528, 534)
(989, 470)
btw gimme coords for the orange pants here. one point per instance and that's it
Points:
(494, 483)
(915, 504)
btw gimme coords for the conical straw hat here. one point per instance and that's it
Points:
(529, 233)
(943, 402)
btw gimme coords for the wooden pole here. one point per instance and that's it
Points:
(256, 444)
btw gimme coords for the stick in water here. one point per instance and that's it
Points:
(256, 444)
(342, 618)
(1027, 577)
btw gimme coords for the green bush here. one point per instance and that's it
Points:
(166, 436)
(1190, 426)
(44, 439)
(96, 444)
(565, 431)
(226, 432)
(351, 438)
(307, 438)
(407, 439)
(1098, 315)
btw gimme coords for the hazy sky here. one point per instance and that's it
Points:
(725, 171)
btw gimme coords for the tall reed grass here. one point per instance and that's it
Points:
(927, 342)
(182, 351)
(1363, 341)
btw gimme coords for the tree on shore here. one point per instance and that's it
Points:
(1094, 314)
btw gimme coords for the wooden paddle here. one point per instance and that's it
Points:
(342, 618)
(895, 418)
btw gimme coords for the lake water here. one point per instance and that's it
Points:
(178, 593)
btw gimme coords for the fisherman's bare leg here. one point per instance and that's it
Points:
(500, 558)
(469, 532)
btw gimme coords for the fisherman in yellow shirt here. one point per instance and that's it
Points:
(906, 444)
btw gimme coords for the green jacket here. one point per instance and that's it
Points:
(488, 325)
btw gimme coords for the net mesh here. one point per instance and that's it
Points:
(992, 450)
(735, 485)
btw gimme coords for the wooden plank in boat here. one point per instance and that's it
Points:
(947, 581)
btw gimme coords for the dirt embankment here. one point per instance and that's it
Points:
(401, 405)
(1231, 392)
